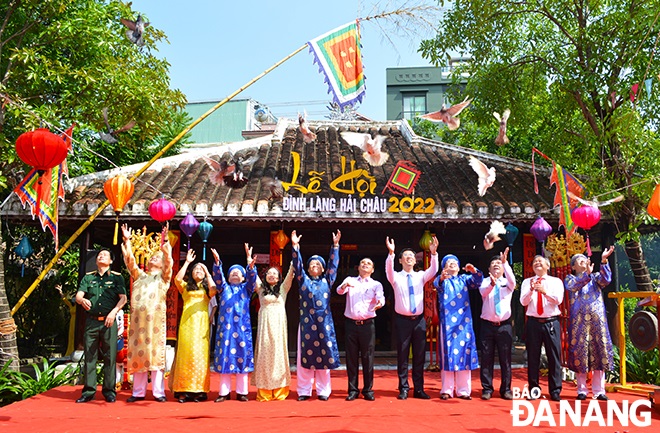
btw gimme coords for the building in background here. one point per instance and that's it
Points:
(412, 91)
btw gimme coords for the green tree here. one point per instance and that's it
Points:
(565, 69)
(62, 62)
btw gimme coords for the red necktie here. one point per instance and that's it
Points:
(539, 302)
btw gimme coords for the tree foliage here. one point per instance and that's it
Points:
(62, 62)
(565, 69)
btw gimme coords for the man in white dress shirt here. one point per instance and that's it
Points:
(542, 294)
(409, 323)
(496, 330)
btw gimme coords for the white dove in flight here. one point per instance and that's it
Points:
(493, 235)
(502, 139)
(594, 203)
(308, 135)
(447, 115)
(370, 146)
(486, 175)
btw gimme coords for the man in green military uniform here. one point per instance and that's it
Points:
(102, 294)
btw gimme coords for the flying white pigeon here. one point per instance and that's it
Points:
(493, 235)
(370, 146)
(486, 175)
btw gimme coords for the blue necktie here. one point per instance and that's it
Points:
(498, 308)
(411, 291)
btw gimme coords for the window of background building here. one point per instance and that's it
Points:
(414, 104)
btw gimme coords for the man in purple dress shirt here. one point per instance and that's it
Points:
(364, 296)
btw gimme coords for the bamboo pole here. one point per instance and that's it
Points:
(137, 174)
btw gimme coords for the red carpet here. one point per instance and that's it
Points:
(56, 411)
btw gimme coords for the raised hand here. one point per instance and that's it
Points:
(216, 257)
(248, 253)
(504, 255)
(390, 244)
(433, 246)
(335, 238)
(126, 232)
(607, 253)
(295, 239)
(190, 257)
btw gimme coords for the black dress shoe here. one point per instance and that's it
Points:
(465, 397)
(303, 397)
(323, 397)
(85, 399)
(486, 395)
(200, 397)
(421, 394)
(241, 397)
(444, 396)
(161, 399)
(581, 396)
(351, 396)
(369, 397)
(182, 400)
(402, 395)
(133, 399)
(555, 396)
(602, 397)
(507, 395)
(110, 398)
(222, 398)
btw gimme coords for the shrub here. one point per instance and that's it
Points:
(17, 385)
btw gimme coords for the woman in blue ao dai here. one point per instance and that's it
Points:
(317, 342)
(233, 351)
(458, 342)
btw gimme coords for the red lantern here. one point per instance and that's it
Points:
(119, 191)
(653, 207)
(162, 210)
(586, 217)
(42, 150)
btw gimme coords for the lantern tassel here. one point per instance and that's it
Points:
(588, 246)
(543, 248)
(114, 239)
(22, 268)
(204, 252)
(510, 257)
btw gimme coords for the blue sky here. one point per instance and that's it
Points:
(215, 47)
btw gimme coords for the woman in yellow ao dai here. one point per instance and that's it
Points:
(191, 376)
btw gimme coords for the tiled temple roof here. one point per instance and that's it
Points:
(446, 188)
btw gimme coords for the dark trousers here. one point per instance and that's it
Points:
(500, 338)
(410, 333)
(360, 345)
(98, 336)
(548, 335)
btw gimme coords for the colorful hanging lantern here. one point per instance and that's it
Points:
(189, 226)
(586, 217)
(280, 239)
(42, 150)
(162, 210)
(425, 240)
(510, 237)
(204, 231)
(119, 191)
(653, 207)
(24, 250)
(541, 230)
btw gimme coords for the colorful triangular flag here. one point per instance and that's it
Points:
(339, 56)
